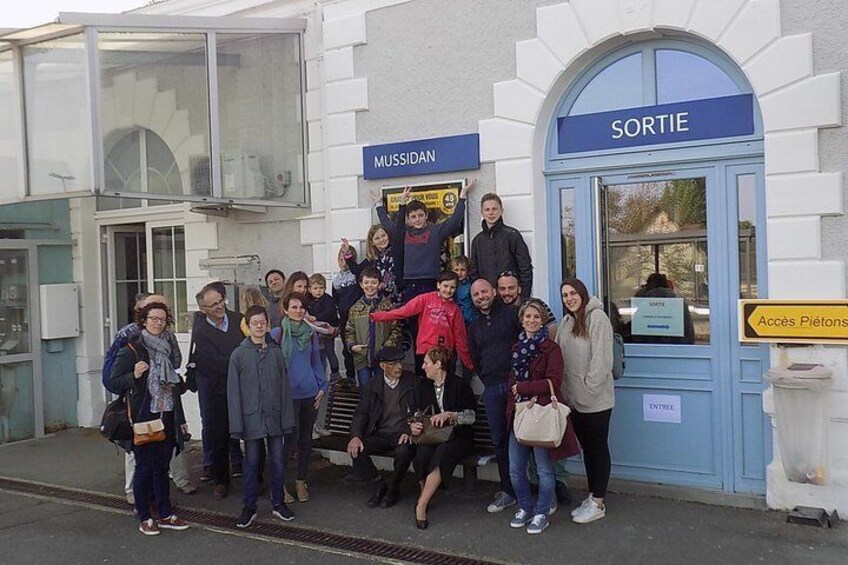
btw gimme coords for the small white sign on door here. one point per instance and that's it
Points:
(661, 408)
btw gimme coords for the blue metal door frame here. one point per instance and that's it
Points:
(722, 380)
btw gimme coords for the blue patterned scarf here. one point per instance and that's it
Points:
(526, 351)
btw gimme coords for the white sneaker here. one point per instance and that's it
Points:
(590, 513)
(577, 510)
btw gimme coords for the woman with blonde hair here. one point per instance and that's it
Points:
(251, 296)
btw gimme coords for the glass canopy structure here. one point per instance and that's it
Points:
(163, 108)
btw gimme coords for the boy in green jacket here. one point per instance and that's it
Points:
(364, 337)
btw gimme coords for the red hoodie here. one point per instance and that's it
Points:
(439, 323)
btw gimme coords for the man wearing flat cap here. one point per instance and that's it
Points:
(380, 427)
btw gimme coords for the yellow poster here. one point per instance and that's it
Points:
(442, 198)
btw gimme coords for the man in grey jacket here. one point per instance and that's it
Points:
(260, 409)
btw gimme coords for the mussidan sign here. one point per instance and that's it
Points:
(422, 156)
(728, 116)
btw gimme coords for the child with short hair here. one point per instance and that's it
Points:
(364, 337)
(260, 412)
(322, 307)
(462, 266)
(346, 292)
(439, 321)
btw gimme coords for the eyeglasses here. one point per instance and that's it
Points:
(507, 274)
(219, 302)
(157, 319)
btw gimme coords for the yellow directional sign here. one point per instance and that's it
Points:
(793, 321)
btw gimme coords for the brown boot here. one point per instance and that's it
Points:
(302, 491)
(288, 498)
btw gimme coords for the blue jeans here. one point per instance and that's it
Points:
(518, 456)
(253, 460)
(365, 374)
(494, 398)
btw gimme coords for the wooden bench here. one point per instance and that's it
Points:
(341, 406)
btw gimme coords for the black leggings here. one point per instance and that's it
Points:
(301, 438)
(592, 430)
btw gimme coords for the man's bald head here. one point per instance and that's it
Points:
(482, 295)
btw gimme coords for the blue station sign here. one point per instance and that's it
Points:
(728, 116)
(422, 156)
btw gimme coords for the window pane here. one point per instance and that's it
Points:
(617, 86)
(179, 250)
(163, 254)
(10, 133)
(57, 116)
(14, 302)
(656, 239)
(259, 89)
(568, 249)
(157, 83)
(683, 76)
(747, 202)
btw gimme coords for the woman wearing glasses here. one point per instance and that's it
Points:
(145, 373)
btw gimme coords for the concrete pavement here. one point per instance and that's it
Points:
(638, 529)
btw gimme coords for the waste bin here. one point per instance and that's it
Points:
(800, 403)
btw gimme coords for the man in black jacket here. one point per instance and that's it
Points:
(500, 248)
(380, 427)
(490, 340)
(215, 335)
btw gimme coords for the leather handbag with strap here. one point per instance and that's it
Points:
(146, 432)
(541, 426)
(431, 435)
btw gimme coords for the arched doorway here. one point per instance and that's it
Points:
(654, 175)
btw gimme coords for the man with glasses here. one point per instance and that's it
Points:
(215, 335)
(380, 427)
(499, 247)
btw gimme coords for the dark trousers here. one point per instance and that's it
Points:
(412, 289)
(150, 481)
(384, 444)
(592, 432)
(328, 354)
(254, 460)
(495, 399)
(236, 457)
(304, 415)
(350, 369)
(216, 432)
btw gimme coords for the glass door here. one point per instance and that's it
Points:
(18, 389)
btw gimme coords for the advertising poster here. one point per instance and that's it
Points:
(658, 316)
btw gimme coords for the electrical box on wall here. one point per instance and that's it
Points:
(59, 311)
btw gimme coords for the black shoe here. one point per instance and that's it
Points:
(283, 512)
(563, 496)
(391, 498)
(238, 471)
(207, 475)
(377, 498)
(248, 515)
(355, 478)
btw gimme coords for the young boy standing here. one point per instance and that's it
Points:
(365, 337)
(346, 292)
(322, 306)
(461, 266)
(260, 410)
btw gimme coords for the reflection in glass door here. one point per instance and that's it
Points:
(655, 260)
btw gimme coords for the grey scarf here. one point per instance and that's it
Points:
(162, 376)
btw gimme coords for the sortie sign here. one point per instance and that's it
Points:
(713, 118)
(793, 321)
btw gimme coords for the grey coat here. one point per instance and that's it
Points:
(587, 384)
(258, 392)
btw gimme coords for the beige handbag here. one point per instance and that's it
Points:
(541, 426)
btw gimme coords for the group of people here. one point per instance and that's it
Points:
(263, 374)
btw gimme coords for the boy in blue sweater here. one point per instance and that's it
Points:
(461, 266)
(423, 242)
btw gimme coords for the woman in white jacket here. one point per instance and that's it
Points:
(585, 337)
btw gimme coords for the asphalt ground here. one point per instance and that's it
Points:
(638, 528)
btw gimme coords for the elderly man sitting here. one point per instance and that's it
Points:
(380, 427)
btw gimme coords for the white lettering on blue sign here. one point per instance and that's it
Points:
(650, 125)
(404, 158)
